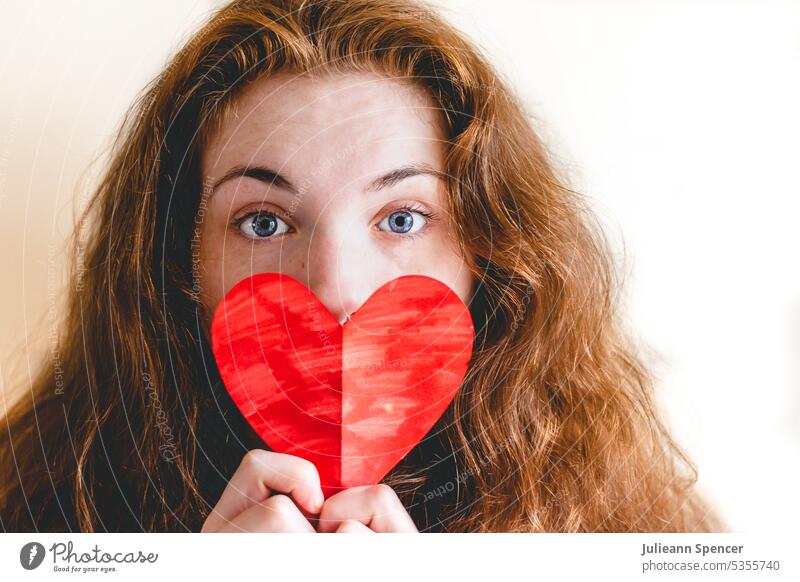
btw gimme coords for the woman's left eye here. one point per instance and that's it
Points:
(403, 222)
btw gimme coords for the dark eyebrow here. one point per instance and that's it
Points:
(400, 174)
(273, 178)
(262, 174)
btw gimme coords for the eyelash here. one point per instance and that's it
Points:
(429, 215)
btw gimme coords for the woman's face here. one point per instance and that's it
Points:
(335, 181)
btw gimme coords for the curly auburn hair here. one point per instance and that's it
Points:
(555, 427)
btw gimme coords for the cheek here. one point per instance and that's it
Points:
(457, 275)
(224, 260)
(434, 257)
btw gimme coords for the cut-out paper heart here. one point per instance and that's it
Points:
(352, 399)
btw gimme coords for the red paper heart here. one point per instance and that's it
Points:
(352, 399)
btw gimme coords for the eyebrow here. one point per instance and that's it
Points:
(261, 174)
(273, 178)
(400, 174)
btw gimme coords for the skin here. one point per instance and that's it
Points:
(326, 223)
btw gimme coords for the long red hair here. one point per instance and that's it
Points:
(126, 427)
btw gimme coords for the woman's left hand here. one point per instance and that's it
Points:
(371, 508)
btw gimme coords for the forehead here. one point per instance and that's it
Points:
(360, 122)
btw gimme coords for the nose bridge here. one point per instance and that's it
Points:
(338, 272)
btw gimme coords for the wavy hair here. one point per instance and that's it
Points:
(127, 427)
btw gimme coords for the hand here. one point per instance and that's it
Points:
(269, 492)
(371, 508)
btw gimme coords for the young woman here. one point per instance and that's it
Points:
(344, 143)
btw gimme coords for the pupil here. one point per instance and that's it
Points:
(265, 225)
(401, 220)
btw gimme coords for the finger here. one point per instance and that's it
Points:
(375, 506)
(278, 514)
(260, 474)
(352, 526)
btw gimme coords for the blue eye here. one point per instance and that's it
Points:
(403, 222)
(260, 225)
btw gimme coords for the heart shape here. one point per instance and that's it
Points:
(352, 399)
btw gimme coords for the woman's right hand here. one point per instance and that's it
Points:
(269, 492)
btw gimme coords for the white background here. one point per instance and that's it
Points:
(679, 120)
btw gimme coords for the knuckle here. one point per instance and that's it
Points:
(279, 505)
(254, 459)
(276, 513)
(382, 496)
(307, 472)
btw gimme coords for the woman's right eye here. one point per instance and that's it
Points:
(262, 225)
